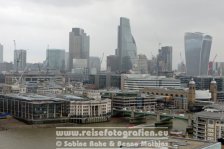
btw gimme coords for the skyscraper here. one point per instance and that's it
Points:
(197, 52)
(142, 64)
(94, 65)
(1, 53)
(112, 63)
(78, 45)
(19, 60)
(164, 59)
(127, 50)
(56, 59)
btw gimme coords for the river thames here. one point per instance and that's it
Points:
(45, 138)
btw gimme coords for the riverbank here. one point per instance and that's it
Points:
(12, 123)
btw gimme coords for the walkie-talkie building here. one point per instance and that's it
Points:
(197, 53)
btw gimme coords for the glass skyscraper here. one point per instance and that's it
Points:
(19, 60)
(56, 59)
(197, 53)
(127, 50)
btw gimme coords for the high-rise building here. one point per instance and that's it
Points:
(112, 63)
(127, 49)
(19, 60)
(164, 59)
(66, 61)
(56, 59)
(197, 52)
(78, 45)
(94, 65)
(142, 64)
(1, 53)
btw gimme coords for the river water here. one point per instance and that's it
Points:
(45, 138)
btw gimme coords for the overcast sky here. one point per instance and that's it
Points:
(36, 23)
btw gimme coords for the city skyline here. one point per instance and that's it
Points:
(160, 25)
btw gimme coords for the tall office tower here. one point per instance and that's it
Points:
(142, 64)
(78, 45)
(127, 49)
(94, 65)
(55, 59)
(164, 59)
(197, 52)
(19, 60)
(1, 53)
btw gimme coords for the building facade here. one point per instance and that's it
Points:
(197, 53)
(1, 53)
(35, 109)
(141, 81)
(19, 60)
(203, 82)
(87, 110)
(131, 100)
(142, 64)
(79, 43)
(127, 49)
(208, 125)
(56, 59)
(164, 59)
(113, 63)
(94, 65)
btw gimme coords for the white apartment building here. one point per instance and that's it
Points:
(209, 124)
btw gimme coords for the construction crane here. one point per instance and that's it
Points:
(210, 66)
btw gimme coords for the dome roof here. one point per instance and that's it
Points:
(213, 81)
(192, 81)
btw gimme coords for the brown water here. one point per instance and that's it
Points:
(44, 138)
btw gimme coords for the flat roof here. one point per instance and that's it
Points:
(34, 97)
(213, 115)
(187, 143)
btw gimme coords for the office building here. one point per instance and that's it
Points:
(130, 100)
(127, 50)
(142, 64)
(94, 65)
(6, 67)
(105, 81)
(197, 53)
(1, 53)
(56, 59)
(19, 60)
(80, 69)
(113, 63)
(164, 59)
(216, 68)
(35, 109)
(152, 66)
(78, 45)
(66, 61)
(141, 81)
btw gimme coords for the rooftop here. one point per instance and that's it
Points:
(185, 143)
(211, 115)
(34, 97)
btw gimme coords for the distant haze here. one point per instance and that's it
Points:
(36, 23)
